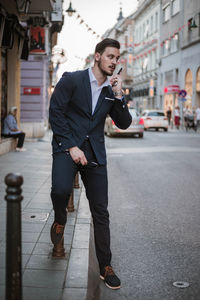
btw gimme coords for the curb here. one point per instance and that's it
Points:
(79, 282)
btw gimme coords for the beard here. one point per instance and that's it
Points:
(104, 72)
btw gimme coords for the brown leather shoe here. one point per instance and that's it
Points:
(57, 232)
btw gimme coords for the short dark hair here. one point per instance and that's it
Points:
(101, 46)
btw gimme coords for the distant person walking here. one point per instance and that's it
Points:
(10, 129)
(169, 115)
(197, 113)
(177, 117)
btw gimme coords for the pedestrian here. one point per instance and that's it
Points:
(169, 115)
(78, 109)
(11, 130)
(197, 114)
(177, 117)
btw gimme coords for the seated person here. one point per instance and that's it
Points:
(10, 129)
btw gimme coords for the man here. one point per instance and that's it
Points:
(197, 113)
(169, 115)
(10, 129)
(78, 109)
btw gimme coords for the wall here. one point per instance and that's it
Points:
(34, 74)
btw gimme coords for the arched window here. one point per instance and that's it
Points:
(188, 82)
(188, 88)
(198, 80)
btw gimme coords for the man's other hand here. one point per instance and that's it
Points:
(78, 156)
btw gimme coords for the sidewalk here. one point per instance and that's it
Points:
(45, 277)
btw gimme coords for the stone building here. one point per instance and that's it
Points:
(26, 26)
(179, 54)
(146, 54)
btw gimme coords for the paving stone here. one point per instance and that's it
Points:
(47, 262)
(78, 269)
(43, 278)
(74, 294)
(30, 236)
(81, 236)
(43, 249)
(31, 227)
(30, 293)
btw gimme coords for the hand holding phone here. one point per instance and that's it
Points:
(118, 73)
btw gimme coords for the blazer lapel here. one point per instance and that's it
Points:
(87, 86)
(104, 92)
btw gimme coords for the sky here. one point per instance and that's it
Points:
(75, 38)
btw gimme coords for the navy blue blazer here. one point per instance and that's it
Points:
(71, 118)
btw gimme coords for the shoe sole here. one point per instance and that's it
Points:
(110, 287)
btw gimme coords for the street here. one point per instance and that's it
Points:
(154, 212)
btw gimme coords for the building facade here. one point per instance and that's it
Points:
(27, 34)
(190, 52)
(179, 54)
(146, 54)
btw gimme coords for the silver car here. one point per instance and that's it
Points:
(136, 127)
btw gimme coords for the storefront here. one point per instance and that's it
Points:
(171, 97)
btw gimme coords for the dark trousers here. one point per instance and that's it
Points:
(96, 186)
(20, 136)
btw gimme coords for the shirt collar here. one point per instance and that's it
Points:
(93, 79)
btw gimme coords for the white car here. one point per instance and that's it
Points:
(155, 119)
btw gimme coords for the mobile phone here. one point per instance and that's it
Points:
(118, 74)
(119, 71)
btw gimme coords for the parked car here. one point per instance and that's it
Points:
(136, 127)
(155, 119)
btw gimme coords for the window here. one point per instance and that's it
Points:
(156, 21)
(166, 13)
(151, 24)
(156, 114)
(176, 77)
(143, 32)
(174, 43)
(166, 47)
(175, 7)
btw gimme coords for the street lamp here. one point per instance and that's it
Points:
(23, 6)
(192, 23)
(70, 10)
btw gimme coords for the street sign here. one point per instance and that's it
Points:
(182, 99)
(171, 89)
(182, 93)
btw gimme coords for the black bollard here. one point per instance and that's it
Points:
(13, 237)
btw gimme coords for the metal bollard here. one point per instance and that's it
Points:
(13, 237)
(70, 207)
(76, 181)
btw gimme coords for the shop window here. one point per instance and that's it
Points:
(188, 87)
(166, 13)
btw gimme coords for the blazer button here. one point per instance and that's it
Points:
(60, 144)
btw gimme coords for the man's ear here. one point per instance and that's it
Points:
(97, 56)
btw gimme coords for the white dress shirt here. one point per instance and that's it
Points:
(95, 88)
